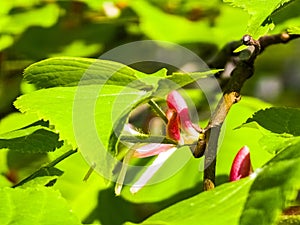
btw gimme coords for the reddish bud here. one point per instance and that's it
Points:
(241, 166)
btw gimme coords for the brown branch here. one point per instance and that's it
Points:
(244, 70)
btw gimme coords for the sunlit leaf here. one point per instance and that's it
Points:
(38, 205)
(84, 116)
(72, 71)
(287, 19)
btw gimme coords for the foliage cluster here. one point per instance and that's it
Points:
(42, 172)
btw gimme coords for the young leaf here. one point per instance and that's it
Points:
(259, 11)
(72, 71)
(38, 205)
(33, 139)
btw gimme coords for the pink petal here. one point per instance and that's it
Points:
(241, 166)
(175, 101)
(151, 170)
(173, 131)
(151, 149)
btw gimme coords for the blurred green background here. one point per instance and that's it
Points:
(32, 30)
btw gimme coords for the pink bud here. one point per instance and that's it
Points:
(241, 166)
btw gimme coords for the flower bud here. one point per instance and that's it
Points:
(241, 166)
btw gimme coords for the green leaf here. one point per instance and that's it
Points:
(33, 139)
(274, 188)
(84, 116)
(287, 19)
(73, 71)
(278, 120)
(259, 11)
(39, 205)
(223, 205)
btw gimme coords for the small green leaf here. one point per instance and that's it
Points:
(33, 139)
(274, 188)
(278, 120)
(38, 205)
(260, 12)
